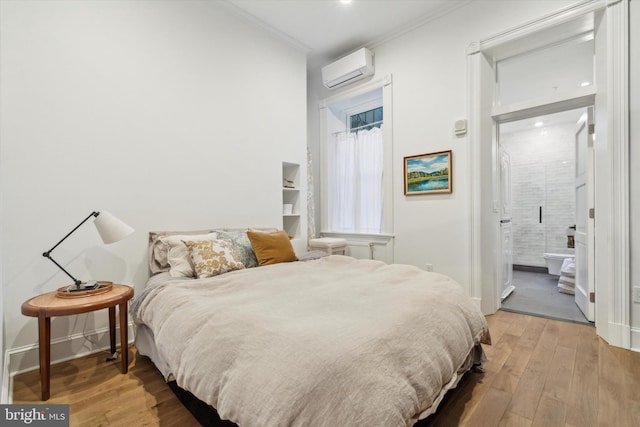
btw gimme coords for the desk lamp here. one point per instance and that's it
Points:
(111, 230)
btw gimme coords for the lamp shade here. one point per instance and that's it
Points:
(111, 229)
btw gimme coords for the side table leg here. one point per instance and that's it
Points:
(124, 337)
(112, 329)
(44, 341)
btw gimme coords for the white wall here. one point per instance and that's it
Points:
(429, 69)
(171, 115)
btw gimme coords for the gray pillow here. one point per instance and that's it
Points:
(242, 245)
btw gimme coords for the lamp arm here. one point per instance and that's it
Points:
(76, 281)
(47, 254)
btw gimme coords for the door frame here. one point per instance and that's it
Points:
(611, 150)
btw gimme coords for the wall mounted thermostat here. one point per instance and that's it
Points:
(460, 127)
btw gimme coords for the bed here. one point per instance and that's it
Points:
(321, 341)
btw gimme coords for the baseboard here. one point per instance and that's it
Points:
(618, 335)
(7, 381)
(531, 268)
(26, 358)
(635, 339)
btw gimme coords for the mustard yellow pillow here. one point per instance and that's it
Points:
(272, 248)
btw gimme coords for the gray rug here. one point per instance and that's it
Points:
(537, 294)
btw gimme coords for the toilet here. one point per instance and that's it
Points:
(554, 261)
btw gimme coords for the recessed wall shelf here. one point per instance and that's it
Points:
(291, 199)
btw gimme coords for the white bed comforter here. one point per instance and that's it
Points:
(331, 342)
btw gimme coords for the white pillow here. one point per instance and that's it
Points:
(179, 257)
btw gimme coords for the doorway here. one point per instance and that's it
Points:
(609, 94)
(538, 167)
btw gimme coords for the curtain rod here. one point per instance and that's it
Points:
(359, 127)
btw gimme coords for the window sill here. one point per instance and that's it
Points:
(358, 236)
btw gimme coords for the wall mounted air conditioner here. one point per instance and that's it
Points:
(348, 69)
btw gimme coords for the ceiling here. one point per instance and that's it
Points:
(329, 29)
(568, 119)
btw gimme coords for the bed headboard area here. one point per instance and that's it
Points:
(160, 244)
(159, 251)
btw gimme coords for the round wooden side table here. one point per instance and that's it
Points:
(49, 305)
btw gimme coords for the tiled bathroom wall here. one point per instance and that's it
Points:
(542, 177)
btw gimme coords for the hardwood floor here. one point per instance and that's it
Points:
(539, 372)
(547, 373)
(99, 395)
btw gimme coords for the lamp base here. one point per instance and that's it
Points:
(85, 286)
(94, 288)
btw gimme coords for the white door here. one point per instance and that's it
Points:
(506, 239)
(584, 235)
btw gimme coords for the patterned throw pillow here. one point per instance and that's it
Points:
(178, 256)
(213, 257)
(243, 247)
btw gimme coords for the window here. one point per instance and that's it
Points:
(366, 119)
(355, 158)
(356, 196)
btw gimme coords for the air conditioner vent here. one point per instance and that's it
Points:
(348, 69)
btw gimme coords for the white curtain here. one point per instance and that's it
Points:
(311, 209)
(355, 181)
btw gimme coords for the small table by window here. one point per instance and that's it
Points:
(330, 245)
(50, 305)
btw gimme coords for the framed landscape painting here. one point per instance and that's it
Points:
(428, 173)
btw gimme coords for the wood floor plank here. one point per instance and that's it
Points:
(540, 372)
(631, 364)
(508, 377)
(480, 390)
(570, 333)
(545, 348)
(499, 352)
(583, 400)
(530, 337)
(560, 374)
(460, 405)
(490, 409)
(518, 325)
(527, 394)
(498, 322)
(550, 413)
(611, 409)
(512, 420)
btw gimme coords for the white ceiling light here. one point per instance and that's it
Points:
(538, 124)
(345, 1)
(583, 84)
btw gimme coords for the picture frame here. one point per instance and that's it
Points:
(428, 173)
